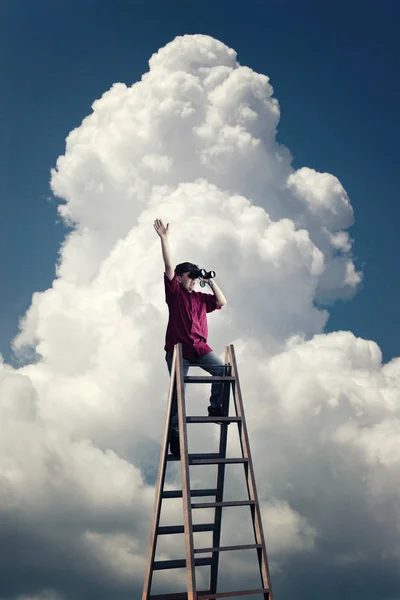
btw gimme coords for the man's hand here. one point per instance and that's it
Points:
(163, 232)
(161, 229)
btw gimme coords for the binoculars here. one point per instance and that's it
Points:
(202, 274)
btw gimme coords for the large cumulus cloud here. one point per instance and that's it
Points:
(194, 142)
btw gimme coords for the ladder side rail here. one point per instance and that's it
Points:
(250, 478)
(213, 580)
(186, 498)
(159, 487)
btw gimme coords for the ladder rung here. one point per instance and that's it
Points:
(180, 563)
(171, 529)
(211, 458)
(180, 596)
(216, 461)
(208, 378)
(213, 419)
(228, 548)
(207, 455)
(209, 596)
(223, 504)
(193, 493)
(206, 595)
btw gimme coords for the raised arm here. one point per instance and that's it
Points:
(220, 298)
(163, 232)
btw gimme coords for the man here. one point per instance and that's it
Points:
(188, 325)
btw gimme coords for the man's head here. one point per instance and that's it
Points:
(186, 274)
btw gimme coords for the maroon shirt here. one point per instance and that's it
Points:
(187, 319)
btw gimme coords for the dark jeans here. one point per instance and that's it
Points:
(210, 363)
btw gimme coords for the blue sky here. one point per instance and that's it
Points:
(334, 69)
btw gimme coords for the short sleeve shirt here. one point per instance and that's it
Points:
(187, 322)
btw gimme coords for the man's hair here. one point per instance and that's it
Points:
(185, 267)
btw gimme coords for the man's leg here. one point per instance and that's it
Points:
(213, 365)
(174, 427)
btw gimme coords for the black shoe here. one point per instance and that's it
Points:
(174, 447)
(216, 412)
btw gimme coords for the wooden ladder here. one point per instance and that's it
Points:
(230, 382)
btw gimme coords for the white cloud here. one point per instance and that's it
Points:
(42, 595)
(194, 143)
(286, 530)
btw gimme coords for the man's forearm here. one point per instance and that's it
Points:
(162, 231)
(220, 298)
(166, 253)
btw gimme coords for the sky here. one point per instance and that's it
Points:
(333, 69)
(270, 144)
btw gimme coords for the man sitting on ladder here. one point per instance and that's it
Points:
(188, 325)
